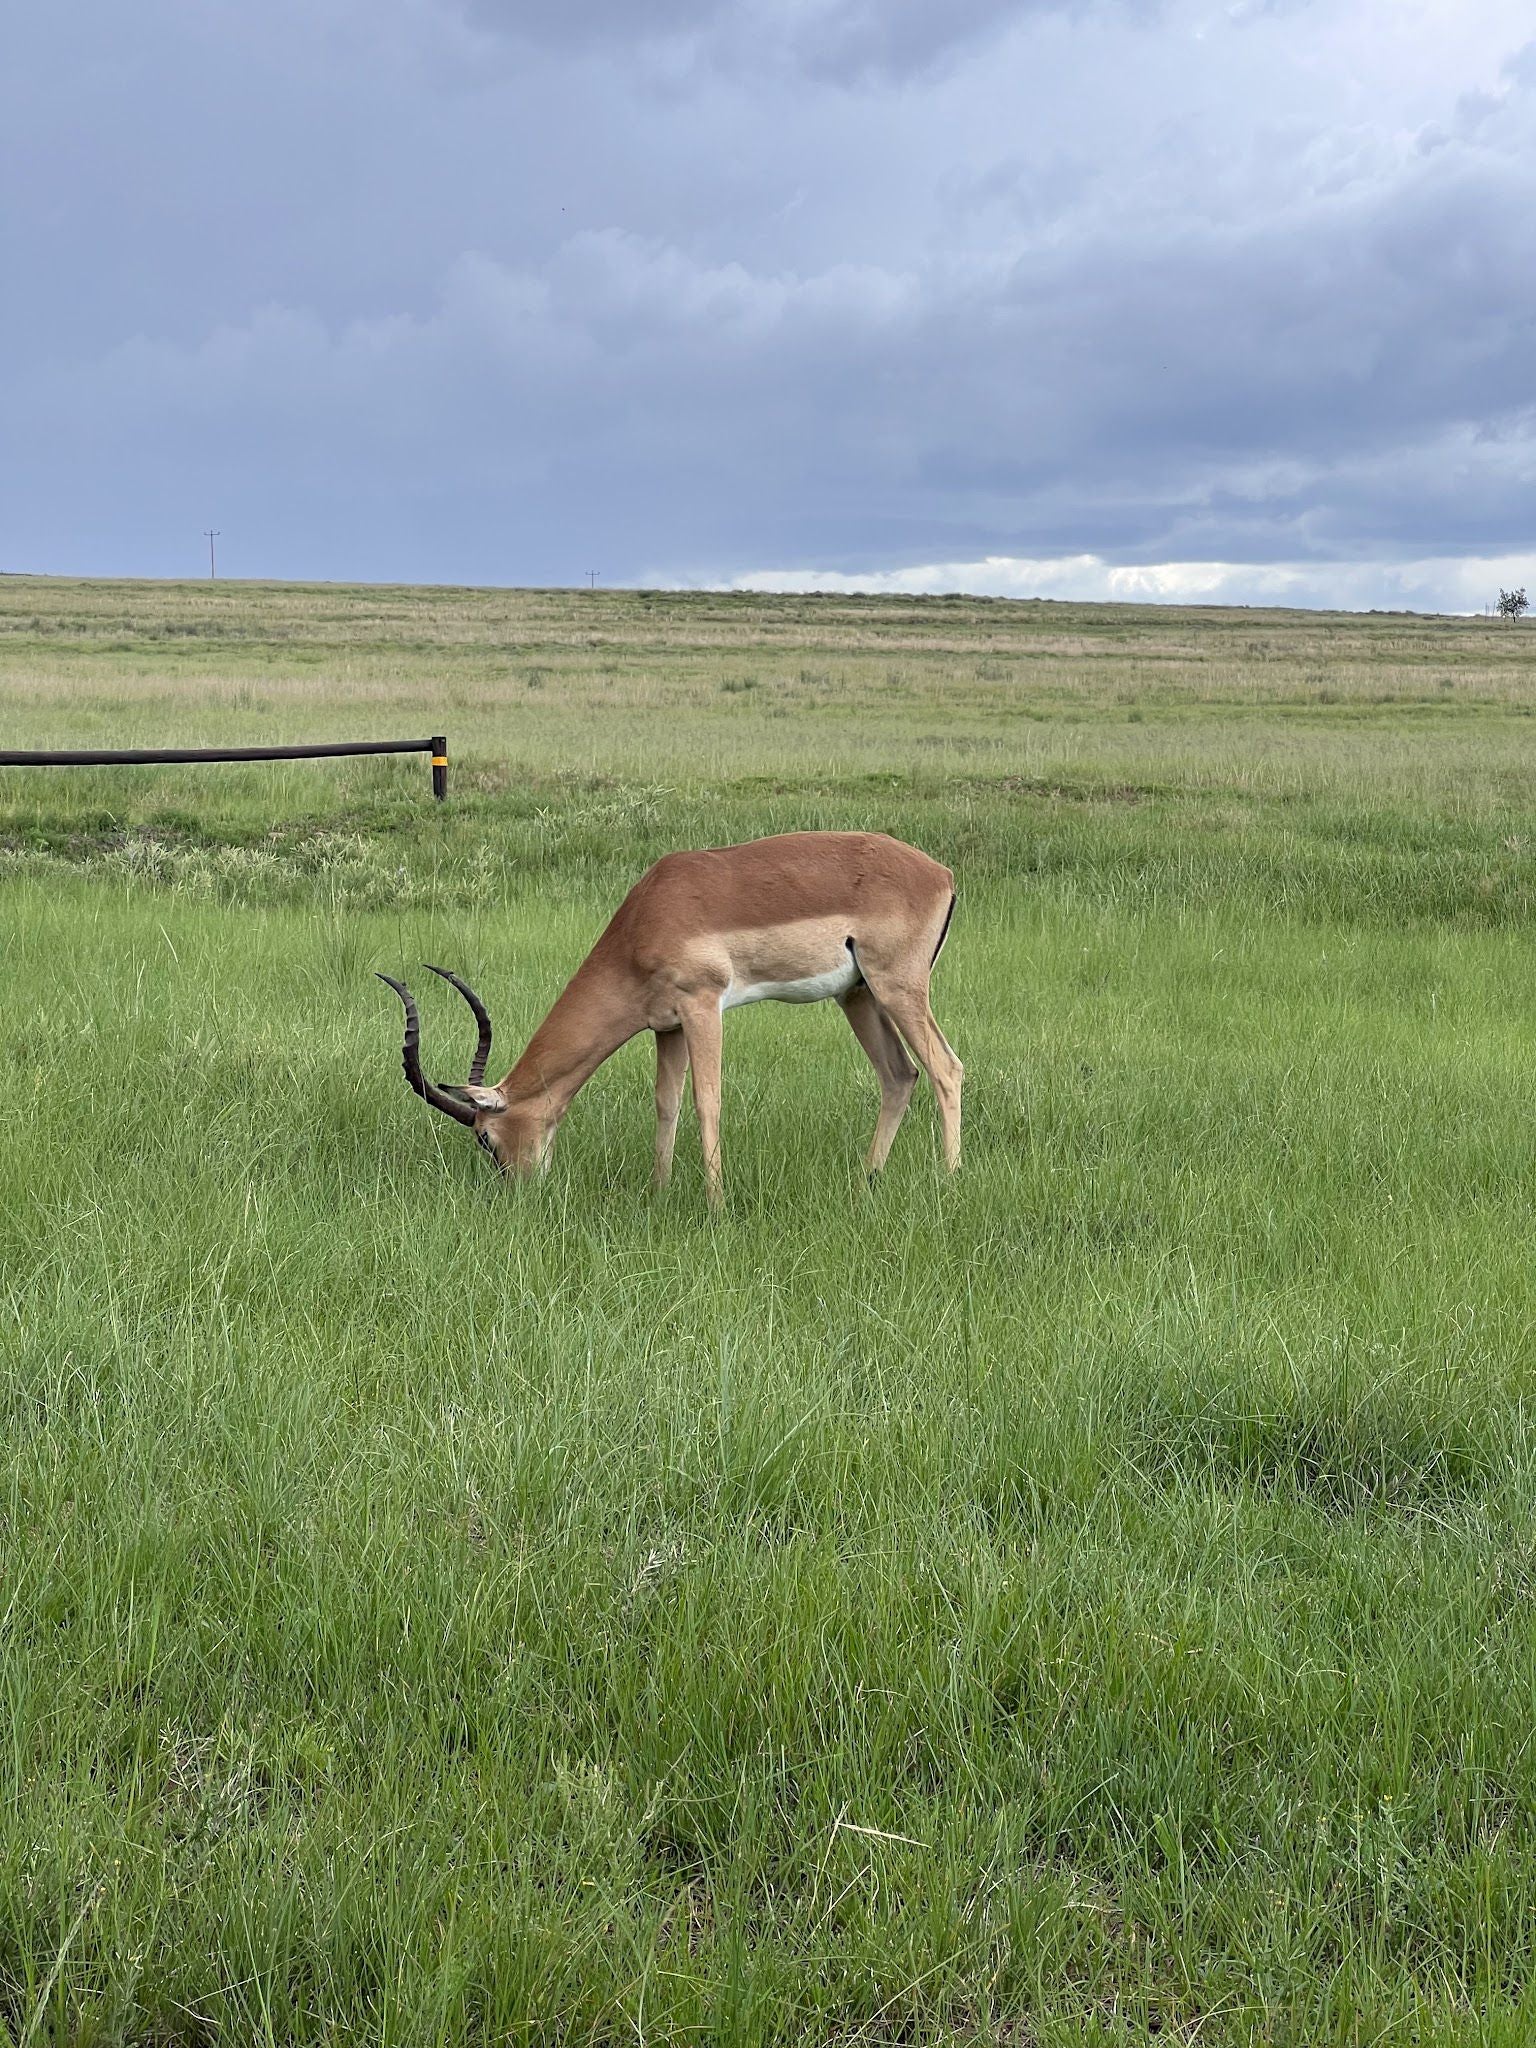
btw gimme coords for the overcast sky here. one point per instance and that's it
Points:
(1211, 298)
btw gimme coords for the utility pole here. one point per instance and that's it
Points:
(591, 579)
(211, 533)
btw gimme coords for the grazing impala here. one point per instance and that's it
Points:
(851, 915)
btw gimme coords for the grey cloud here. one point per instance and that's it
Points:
(509, 326)
(610, 22)
(1240, 395)
(838, 41)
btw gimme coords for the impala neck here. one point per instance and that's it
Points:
(595, 1014)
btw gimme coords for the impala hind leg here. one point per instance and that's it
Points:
(671, 1073)
(903, 995)
(702, 1032)
(888, 1056)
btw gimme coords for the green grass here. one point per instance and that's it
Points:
(1086, 1601)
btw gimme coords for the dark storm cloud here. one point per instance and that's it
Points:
(443, 316)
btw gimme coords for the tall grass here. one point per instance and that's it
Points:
(1085, 1601)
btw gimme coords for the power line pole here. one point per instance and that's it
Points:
(212, 534)
(591, 579)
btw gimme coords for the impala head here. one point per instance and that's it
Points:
(500, 1130)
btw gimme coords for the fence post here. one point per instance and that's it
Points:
(440, 766)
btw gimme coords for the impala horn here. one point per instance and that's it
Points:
(440, 1098)
(482, 1019)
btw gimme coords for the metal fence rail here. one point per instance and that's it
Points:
(102, 757)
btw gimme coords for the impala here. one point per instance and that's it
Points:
(854, 916)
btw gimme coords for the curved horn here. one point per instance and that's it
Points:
(427, 1090)
(482, 1018)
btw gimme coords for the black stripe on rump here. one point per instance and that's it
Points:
(943, 935)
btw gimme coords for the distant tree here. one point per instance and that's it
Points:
(1513, 604)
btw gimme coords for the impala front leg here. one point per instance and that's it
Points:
(671, 1072)
(702, 1032)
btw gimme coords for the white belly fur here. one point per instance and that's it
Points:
(815, 988)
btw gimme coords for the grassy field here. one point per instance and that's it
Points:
(1089, 1601)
